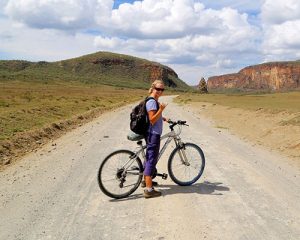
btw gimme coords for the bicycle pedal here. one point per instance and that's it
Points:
(164, 176)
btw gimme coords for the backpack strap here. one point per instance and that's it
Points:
(148, 98)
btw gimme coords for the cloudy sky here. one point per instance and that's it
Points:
(197, 38)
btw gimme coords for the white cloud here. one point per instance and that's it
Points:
(21, 42)
(278, 11)
(58, 14)
(281, 26)
(160, 19)
(108, 43)
(282, 42)
(178, 31)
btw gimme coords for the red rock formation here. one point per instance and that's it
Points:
(271, 76)
(158, 72)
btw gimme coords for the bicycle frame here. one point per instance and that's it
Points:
(169, 136)
(172, 135)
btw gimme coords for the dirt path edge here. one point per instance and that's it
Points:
(23, 143)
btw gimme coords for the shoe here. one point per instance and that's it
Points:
(151, 194)
(154, 184)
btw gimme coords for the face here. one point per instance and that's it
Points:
(158, 89)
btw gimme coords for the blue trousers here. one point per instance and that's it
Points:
(152, 152)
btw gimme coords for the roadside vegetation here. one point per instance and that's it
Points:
(32, 113)
(26, 106)
(271, 103)
(270, 120)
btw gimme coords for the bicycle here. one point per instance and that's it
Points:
(121, 172)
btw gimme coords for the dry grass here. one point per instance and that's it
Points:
(269, 120)
(31, 112)
(270, 103)
(25, 106)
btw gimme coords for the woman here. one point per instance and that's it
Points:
(154, 110)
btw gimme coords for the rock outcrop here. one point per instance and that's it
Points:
(268, 76)
(202, 86)
(155, 71)
(158, 72)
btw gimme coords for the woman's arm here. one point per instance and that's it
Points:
(155, 115)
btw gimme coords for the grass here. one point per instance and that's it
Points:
(220, 127)
(271, 103)
(26, 106)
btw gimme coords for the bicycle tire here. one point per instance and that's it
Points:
(116, 190)
(196, 164)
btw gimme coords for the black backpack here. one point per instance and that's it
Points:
(139, 122)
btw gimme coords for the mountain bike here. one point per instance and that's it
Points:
(121, 172)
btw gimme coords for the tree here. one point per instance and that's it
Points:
(202, 86)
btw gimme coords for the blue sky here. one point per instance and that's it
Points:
(117, 3)
(197, 38)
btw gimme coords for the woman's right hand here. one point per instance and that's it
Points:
(162, 106)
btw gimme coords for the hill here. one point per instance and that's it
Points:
(274, 76)
(100, 68)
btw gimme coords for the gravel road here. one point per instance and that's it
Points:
(244, 193)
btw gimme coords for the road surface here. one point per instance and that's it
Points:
(244, 193)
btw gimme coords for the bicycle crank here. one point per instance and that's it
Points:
(162, 175)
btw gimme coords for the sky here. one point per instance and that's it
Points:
(196, 38)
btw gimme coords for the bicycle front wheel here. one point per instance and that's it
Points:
(120, 174)
(186, 164)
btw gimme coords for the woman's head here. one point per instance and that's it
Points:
(157, 88)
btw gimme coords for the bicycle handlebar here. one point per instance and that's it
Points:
(179, 122)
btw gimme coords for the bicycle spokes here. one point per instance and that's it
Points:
(186, 164)
(120, 174)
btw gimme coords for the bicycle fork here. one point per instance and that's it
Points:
(181, 152)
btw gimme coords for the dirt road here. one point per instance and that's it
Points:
(244, 193)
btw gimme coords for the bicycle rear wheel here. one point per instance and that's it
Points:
(120, 174)
(186, 164)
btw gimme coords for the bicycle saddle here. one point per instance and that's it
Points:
(134, 137)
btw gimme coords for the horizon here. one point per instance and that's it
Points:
(196, 38)
(145, 59)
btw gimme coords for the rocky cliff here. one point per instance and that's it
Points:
(155, 71)
(268, 76)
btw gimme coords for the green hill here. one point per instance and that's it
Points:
(98, 68)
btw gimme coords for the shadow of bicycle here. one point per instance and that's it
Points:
(210, 188)
(206, 187)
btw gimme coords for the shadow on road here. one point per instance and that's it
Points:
(200, 188)
(131, 197)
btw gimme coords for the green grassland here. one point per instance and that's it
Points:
(98, 68)
(271, 103)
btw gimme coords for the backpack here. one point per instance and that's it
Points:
(139, 122)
